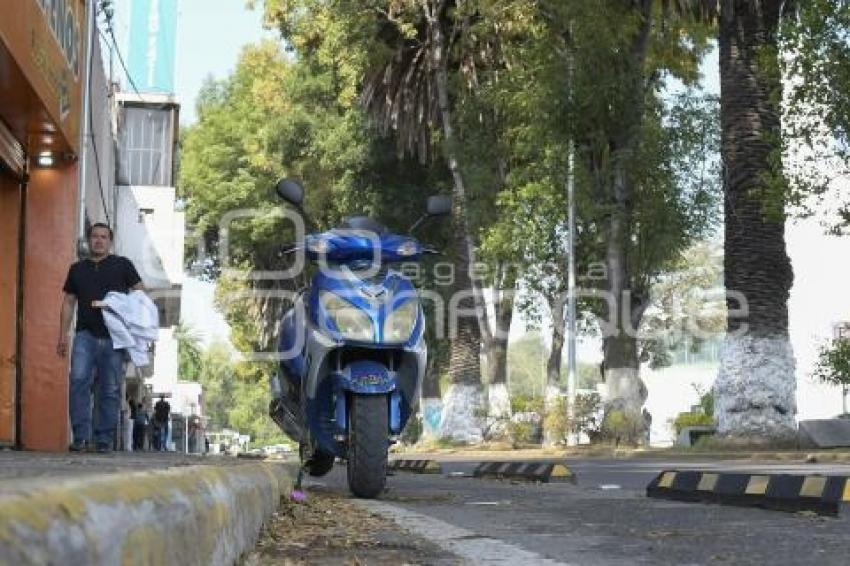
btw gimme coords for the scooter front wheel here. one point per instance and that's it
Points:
(368, 445)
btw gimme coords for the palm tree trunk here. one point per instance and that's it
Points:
(463, 405)
(755, 388)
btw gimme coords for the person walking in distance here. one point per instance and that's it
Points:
(161, 413)
(88, 282)
(140, 427)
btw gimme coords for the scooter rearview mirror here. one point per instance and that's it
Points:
(291, 191)
(439, 205)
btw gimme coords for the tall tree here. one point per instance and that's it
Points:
(636, 200)
(816, 109)
(755, 390)
(411, 94)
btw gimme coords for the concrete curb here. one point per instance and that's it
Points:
(824, 495)
(190, 515)
(545, 472)
(416, 466)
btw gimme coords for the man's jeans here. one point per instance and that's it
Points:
(90, 352)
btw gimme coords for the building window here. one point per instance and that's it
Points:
(146, 146)
(145, 214)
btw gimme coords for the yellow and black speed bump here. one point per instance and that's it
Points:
(825, 495)
(416, 466)
(545, 472)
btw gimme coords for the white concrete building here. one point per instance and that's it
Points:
(152, 234)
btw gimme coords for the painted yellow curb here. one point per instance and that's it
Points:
(190, 515)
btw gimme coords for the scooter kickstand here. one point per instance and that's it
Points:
(300, 478)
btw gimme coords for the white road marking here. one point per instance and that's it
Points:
(609, 486)
(472, 547)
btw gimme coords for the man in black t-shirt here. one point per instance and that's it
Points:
(88, 282)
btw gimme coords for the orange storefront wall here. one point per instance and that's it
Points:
(51, 204)
(10, 206)
(40, 93)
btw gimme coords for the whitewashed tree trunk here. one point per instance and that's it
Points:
(551, 403)
(755, 389)
(463, 411)
(431, 408)
(754, 399)
(498, 410)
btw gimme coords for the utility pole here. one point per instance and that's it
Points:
(572, 439)
(85, 130)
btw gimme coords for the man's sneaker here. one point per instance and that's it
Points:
(103, 448)
(79, 446)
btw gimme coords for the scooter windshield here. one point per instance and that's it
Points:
(346, 246)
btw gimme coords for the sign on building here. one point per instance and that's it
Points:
(153, 38)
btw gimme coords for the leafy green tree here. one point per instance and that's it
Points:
(526, 371)
(687, 307)
(189, 353)
(816, 110)
(590, 79)
(642, 200)
(217, 378)
(833, 366)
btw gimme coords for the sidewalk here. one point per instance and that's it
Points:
(134, 508)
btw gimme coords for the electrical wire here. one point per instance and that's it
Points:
(94, 144)
(111, 33)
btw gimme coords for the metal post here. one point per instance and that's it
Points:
(571, 297)
(85, 130)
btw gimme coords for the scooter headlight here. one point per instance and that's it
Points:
(352, 323)
(399, 324)
(319, 246)
(407, 249)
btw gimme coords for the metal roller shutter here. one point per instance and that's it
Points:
(11, 152)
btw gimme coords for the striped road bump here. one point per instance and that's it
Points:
(545, 472)
(707, 482)
(813, 486)
(416, 466)
(757, 485)
(825, 495)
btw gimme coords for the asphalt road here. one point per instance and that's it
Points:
(604, 519)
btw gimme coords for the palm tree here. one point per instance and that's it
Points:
(755, 389)
(756, 385)
(410, 95)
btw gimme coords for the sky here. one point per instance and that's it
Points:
(211, 35)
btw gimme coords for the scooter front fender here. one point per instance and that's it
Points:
(367, 378)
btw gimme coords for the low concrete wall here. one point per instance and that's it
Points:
(206, 515)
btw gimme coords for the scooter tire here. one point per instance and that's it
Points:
(368, 445)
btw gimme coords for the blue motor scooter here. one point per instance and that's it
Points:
(352, 347)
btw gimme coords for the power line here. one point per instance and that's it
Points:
(121, 57)
(94, 143)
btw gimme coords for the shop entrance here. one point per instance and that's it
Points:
(11, 201)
